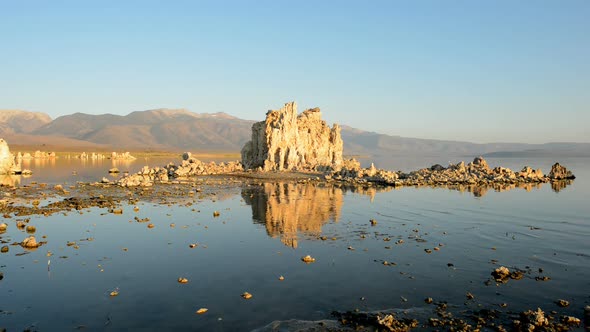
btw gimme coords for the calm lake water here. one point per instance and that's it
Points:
(262, 232)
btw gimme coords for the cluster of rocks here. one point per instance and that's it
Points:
(36, 155)
(99, 156)
(90, 156)
(287, 141)
(189, 166)
(8, 163)
(477, 173)
(121, 156)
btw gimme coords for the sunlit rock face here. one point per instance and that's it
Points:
(287, 141)
(7, 164)
(288, 208)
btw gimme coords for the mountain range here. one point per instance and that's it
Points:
(183, 130)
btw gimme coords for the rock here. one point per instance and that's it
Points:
(3, 227)
(562, 303)
(31, 229)
(480, 162)
(502, 273)
(202, 311)
(4, 249)
(7, 164)
(308, 259)
(30, 242)
(287, 141)
(246, 295)
(114, 170)
(182, 280)
(392, 324)
(559, 172)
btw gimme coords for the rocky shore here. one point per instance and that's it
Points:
(304, 144)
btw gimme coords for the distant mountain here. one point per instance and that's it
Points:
(182, 130)
(21, 122)
(160, 129)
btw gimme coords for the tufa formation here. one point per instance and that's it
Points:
(287, 141)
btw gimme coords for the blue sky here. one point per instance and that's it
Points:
(496, 71)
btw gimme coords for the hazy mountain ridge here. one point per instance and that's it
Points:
(19, 122)
(159, 129)
(183, 130)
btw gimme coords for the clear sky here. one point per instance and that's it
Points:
(481, 71)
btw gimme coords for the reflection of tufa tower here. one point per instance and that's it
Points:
(288, 208)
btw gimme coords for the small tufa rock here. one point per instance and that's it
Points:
(31, 229)
(30, 242)
(562, 303)
(559, 172)
(246, 295)
(3, 227)
(202, 311)
(500, 274)
(151, 225)
(308, 259)
(4, 249)
(373, 222)
(114, 293)
(216, 214)
(182, 280)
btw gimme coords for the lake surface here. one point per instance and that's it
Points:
(262, 232)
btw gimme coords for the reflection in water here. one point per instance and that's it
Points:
(288, 208)
(10, 180)
(557, 186)
(482, 190)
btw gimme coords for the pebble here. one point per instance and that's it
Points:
(246, 295)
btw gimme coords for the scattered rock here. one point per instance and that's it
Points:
(308, 259)
(246, 295)
(30, 242)
(31, 229)
(501, 274)
(4, 249)
(562, 303)
(202, 311)
(182, 280)
(3, 227)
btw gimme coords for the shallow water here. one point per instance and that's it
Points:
(263, 231)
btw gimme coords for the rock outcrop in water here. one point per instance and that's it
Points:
(189, 166)
(559, 172)
(287, 141)
(475, 173)
(6, 158)
(8, 165)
